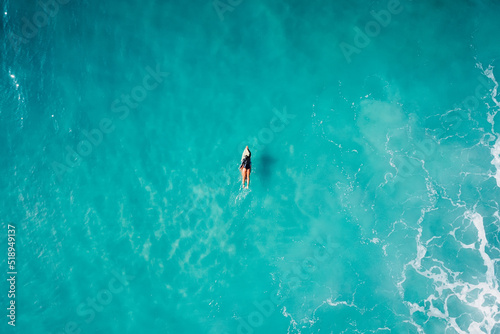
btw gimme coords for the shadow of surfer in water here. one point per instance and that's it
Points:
(246, 167)
(266, 162)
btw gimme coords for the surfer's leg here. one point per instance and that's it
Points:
(243, 176)
(248, 177)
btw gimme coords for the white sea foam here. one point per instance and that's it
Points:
(293, 323)
(447, 283)
(492, 112)
(495, 152)
(489, 73)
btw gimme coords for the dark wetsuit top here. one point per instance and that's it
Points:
(246, 163)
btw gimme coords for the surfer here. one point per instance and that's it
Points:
(245, 167)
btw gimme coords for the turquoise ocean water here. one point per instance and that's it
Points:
(374, 198)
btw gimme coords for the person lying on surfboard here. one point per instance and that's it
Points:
(245, 167)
